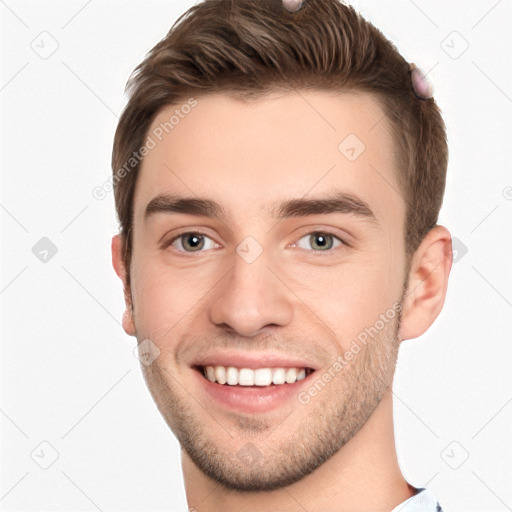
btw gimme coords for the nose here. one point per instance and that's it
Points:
(252, 299)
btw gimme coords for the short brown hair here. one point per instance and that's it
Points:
(248, 48)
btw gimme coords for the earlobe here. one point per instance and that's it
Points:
(118, 264)
(128, 323)
(428, 282)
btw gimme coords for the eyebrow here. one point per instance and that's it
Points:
(338, 202)
(165, 203)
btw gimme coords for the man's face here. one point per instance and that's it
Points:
(249, 289)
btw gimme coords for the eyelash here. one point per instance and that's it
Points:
(327, 252)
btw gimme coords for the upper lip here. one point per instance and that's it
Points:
(253, 360)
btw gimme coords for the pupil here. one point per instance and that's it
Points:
(323, 240)
(194, 241)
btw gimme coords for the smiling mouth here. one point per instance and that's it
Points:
(268, 376)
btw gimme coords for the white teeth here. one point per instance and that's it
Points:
(220, 374)
(249, 377)
(246, 377)
(291, 375)
(210, 373)
(232, 376)
(263, 377)
(279, 376)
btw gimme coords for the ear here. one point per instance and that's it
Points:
(118, 264)
(428, 282)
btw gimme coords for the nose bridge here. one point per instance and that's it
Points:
(252, 296)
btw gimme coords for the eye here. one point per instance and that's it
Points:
(192, 241)
(320, 241)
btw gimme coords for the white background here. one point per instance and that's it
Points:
(68, 374)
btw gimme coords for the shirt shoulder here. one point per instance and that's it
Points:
(423, 501)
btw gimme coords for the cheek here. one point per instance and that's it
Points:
(350, 297)
(164, 296)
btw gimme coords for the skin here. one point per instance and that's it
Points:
(336, 452)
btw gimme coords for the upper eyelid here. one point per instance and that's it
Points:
(327, 253)
(324, 232)
(173, 239)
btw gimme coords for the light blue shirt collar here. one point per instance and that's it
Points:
(423, 501)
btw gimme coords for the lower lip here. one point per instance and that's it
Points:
(251, 399)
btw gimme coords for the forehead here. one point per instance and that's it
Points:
(251, 155)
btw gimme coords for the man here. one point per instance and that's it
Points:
(279, 170)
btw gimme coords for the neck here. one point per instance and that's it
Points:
(363, 475)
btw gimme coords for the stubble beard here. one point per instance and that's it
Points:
(255, 454)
